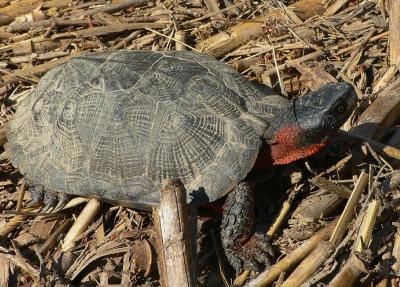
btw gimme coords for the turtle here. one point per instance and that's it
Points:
(114, 125)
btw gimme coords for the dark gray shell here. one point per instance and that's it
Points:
(114, 125)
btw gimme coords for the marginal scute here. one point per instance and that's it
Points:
(114, 125)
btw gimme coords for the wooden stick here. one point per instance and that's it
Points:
(174, 236)
(320, 205)
(107, 30)
(304, 58)
(51, 241)
(383, 283)
(20, 8)
(281, 217)
(21, 194)
(354, 267)
(273, 272)
(3, 136)
(348, 211)
(4, 272)
(5, 155)
(385, 79)
(76, 9)
(332, 187)
(14, 222)
(227, 9)
(367, 225)
(241, 279)
(4, 34)
(180, 38)
(172, 39)
(82, 222)
(36, 70)
(357, 51)
(394, 32)
(56, 4)
(382, 112)
(162, 268)
(113, 7)
(335, 7)
(377, 146)
(352, 47)
(348, 273)
(217, 21)
(25, 26)
(44, 56)
(128, 39)
(309, 265)
(396, 252)
(5, 19)
(4, 3)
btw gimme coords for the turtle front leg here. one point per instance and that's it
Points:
(244, 246)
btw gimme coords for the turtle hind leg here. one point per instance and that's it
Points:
(49, 199)
(244, 246)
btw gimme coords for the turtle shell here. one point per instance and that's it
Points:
(114, 125)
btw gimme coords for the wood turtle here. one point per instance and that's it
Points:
(113, 125)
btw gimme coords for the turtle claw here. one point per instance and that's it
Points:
(46, 208)
(63, 199)
(257, 249)
(255, 252)
(37, 195)
(51, 201)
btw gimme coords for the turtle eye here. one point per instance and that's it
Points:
(341, 109)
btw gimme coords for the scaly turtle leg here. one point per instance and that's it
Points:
(244, 246)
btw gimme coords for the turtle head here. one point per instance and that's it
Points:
(308, 122)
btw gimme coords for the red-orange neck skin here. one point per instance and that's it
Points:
(289, 144)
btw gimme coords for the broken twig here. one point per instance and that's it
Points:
(174, 236)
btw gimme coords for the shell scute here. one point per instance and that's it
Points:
(161, 87)
(216, 97)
